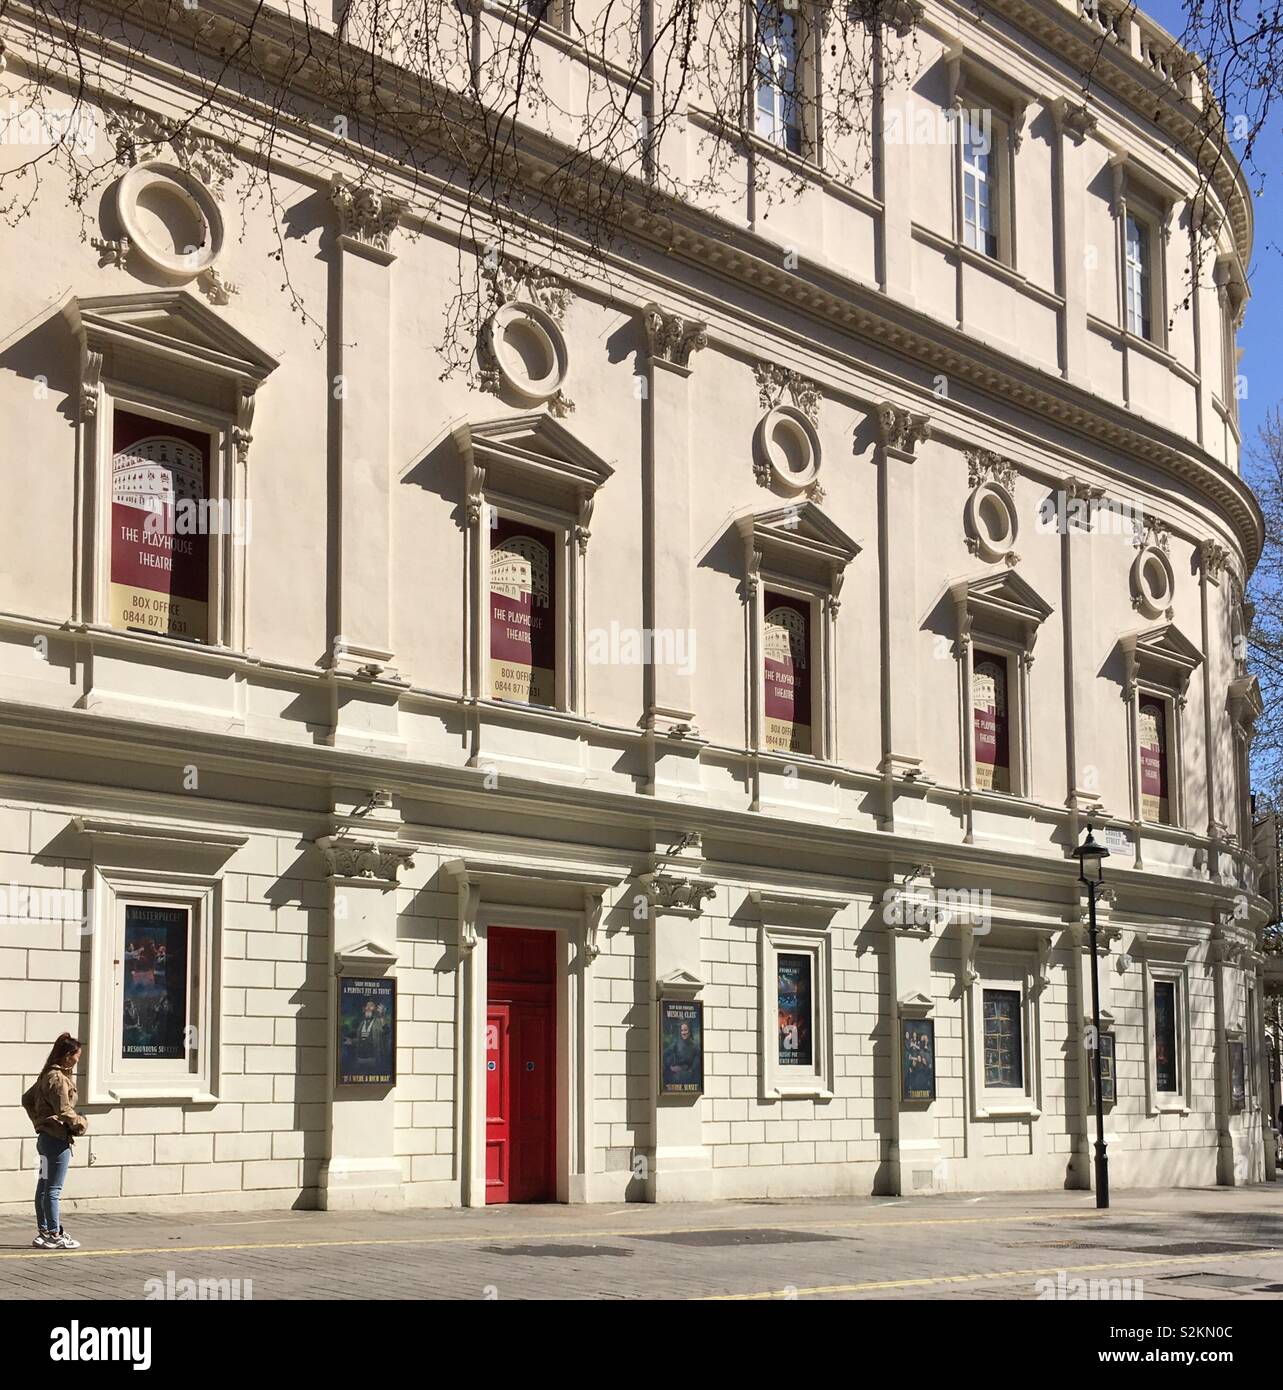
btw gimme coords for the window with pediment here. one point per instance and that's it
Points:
(530, 491)
(794, 562)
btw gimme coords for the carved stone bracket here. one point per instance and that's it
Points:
(90, 378)
(1213, 557)
(901, 430)
(1072, 118)
(677, 894)
(351, 857)
(671, 338)
(365, 215)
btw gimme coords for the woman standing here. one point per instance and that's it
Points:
(51, 1103)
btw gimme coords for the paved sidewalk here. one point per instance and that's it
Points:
(1216, 1243)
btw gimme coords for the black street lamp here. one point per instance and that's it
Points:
(1091, 870)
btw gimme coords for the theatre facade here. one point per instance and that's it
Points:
(643, 765)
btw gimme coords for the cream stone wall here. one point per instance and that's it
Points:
(352, 799)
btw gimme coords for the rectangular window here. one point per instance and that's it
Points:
(160, 558)
(795, 1013)
(1003, 1058)
(1137, 277)
(991, 720)
(778, 78)
(156, 983)
(523, 612)
(787, 673)
(1155, 804)
(1166, 1061)
(979, 183)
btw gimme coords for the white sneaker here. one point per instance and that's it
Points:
(62, 1241)
(41, 1241)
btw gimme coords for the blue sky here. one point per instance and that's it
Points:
(1262, 363)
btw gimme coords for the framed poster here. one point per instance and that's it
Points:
(989, 713)
(1004, 1057)
(155, 982)
(1166, 1069)
(917, 1059)
(1238, 1074)
(159, 554)
(1108, 1075)
(793, 985)
(786, 674)
(523, 613)
(1153, 761)
(366, 1031)
(681, 1047)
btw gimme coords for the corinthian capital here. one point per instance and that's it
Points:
(670, 337)
(365, 214)
(348, 857)
(902, 429)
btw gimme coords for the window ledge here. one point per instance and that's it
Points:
(996, 1110)
(817, 1092)
(125, 1094)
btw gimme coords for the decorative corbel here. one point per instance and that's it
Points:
(968, 945)
(366, 216)
(671, 338)
(241, 435)
(901, 430)
(1072, 118)
(593, 906)
(348, 856)
(90, 380)
(582, 531)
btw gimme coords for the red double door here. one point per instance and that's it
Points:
(521, 1065)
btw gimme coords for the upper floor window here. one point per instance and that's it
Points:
(162, 499)
(778, 76)
(979, 184)
(1137, 281)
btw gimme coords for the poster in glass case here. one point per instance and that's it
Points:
(917, 1059)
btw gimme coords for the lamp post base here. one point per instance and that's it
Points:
(1102, 1177)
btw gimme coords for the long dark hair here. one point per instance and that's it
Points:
(65, 1048)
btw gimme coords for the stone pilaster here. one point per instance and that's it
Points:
(899, 432)
(909, 913)
(673, 744)
(681, 1162)
(361, 641)
(363, 859)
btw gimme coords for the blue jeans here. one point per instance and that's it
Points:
(55, 1159)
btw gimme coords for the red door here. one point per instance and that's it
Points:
(521, 1059)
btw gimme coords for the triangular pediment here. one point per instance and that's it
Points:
(534, 445)
(172, 326)
(797, 530)
(1004, 593)
(1163, 654)
(365, 952)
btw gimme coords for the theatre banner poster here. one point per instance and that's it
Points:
(786, 673)
(681, 1043)
(917, 1059)
(154, 978)
(367, 1031)
(159, 558)
(523, 613)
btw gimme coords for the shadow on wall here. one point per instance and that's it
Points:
(48, 357)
